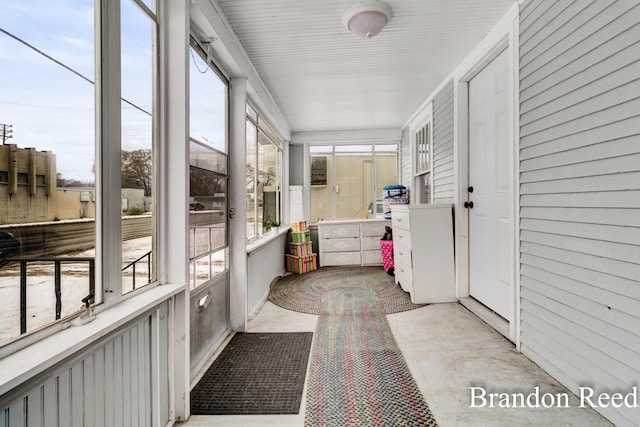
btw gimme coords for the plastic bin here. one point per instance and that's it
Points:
(386, 246)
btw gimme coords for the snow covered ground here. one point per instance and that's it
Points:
(41, 300)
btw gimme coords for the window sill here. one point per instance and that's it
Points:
(36, 358)
(266, 239)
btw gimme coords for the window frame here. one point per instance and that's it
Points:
(155, 102)
(108, 218)
(333, 150)
(198, 49)
(262, 128)
(422, 168)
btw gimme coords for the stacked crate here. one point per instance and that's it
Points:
(301, 258)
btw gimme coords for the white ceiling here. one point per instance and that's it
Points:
(324, 78)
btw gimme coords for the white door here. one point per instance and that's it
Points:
(489, 217)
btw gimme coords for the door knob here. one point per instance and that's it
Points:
(470, 189)
(468, 205)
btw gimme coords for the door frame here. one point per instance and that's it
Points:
(503, 36)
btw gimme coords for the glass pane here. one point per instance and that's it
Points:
(386, 172)
(264, 128)
(207, 267)
(208, 196)
(251, 180)
(138, 45)
(218, 262)
(252, 113)
(422, 143)
(52, 109)
(208, 168)
(205, 158)
(321, 148)
(150, 4)
(422, 186)
(207, 211)
(192, 242)
(354, 186)
(202, 241)
(390, 147)
(208, 100)
(353, 148)
(322, 192)
(267, 184)
(200, 271)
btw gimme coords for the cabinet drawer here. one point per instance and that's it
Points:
(340, 245)
(370, 243)
(402, 236)
(373, 230)
(400, 219)
(340, 258)
(372, 257)
(340, 230)
(403, 276)
(402, 253)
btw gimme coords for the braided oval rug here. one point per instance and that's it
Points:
(303, 292)
(358, 376)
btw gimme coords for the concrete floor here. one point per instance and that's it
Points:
(448, 350)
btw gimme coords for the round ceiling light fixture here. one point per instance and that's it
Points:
(367, 18)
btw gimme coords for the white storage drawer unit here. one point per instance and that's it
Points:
(352, 242)
(423, 251)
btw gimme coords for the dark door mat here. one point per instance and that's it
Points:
(255, 374)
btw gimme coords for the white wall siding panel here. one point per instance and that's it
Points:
(264, 265)
(109, 384)
(405, 158)
(580, 193)
(443, 145)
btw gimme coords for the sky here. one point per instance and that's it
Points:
(49, 107)
(53, 109)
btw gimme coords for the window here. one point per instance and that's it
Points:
(138, 33)
(264, 176)
(23, 178)
(347, 180)
(422, 176)
(319, 170)
(48, 89)
(207, 172)
(48, 100)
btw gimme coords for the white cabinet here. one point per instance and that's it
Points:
(354, 242)
(423, 251)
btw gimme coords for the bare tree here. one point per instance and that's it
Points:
(136, 170)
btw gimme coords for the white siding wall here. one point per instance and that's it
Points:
(263, 266)
(405, 158)
(108, 385)
(443, 145)
(580, 193)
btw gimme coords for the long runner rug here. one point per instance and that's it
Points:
(358, 375)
